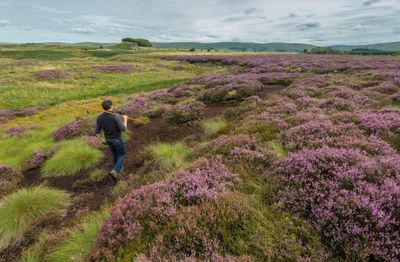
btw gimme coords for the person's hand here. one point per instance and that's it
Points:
(125, 117)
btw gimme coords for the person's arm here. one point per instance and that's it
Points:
(122, 123)
(101, 140)
(98, 131)
(125, 118)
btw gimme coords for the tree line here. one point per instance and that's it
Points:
(356, 51)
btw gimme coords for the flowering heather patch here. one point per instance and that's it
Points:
(50, 74)
(215, 257)
(305, 102)
(315, 134)
(257, 160)
(93, 141)
(352, 199)
(345, 118)
(304, 116)
(395, 98)
(232, 224)
(224, 144)
(37, 159)
(184, 112)
(14, 131)
(344, 179)
(162, 95)
(382, 120)
(387, 87)
(352, 95)
(113, 68)
(338, 104)
(9, 114)
(223, 87)
(242, 150)
(184, 90)
(75, 128)
(138, 106)
(281, 105)
(153, 205)
(277, 78)
(268, 118)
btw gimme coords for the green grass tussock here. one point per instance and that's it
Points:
(393, 140)
(21, 209)
(73, 157)
(168, 157)
(98, 174)
(263, 130)
(80, 241)
(213, 126)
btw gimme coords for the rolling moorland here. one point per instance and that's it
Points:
(242, 157)
(275, 47)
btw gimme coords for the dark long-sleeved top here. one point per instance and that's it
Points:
(111, 124)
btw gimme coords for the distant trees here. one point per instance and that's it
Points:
(367, 51)
(323, 51)
(139, 41)
(357, 51)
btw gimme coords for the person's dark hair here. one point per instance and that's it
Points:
(106, 104)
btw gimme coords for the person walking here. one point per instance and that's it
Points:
(112, 125)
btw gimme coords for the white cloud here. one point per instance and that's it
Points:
(4, 22)
(83, 30)
(311, 21)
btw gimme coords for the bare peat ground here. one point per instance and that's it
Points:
(87, 195)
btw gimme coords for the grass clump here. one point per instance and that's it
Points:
(98, 174)
(263, 130)
(168, 157)
(144, 119)
(213, 126)
(71, 158)
(21, 209)
(393, 140)
(80, 241)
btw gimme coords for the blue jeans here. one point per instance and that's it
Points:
(118, 152)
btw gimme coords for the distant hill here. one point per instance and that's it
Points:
(247, 46)
(277, 47)
(393, 46)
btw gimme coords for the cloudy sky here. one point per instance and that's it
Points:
(311, 21)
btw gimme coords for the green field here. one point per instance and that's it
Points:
(20, 87)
